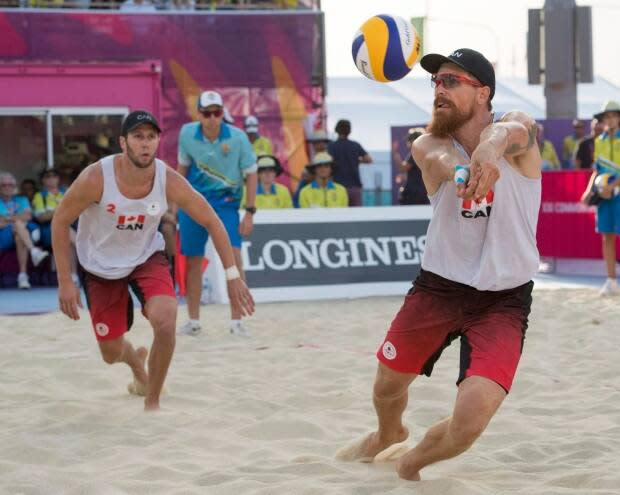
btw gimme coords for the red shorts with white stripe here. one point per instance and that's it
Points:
(109, 302)
(490, 324)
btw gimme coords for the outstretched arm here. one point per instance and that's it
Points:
(86, 190)
(513, 138)
(436, 158)
(182, 194)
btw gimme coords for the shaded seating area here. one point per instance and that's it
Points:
(40, 276)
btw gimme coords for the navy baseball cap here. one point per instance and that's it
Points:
(136, 119)
(467, 59)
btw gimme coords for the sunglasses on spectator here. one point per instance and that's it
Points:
(212, 113)
(450, 81)
(8, 184)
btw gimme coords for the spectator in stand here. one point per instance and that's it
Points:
(607, 149)
(547, 151)
(317, 142)
(269, 194)
(260, 144)
(28, 188)
(347, 156)
(44, 205)
(569, 145)
(138, 6)
(414, 191)
(181, 5)
(46, 3)
(16, 228)
(323, 192)
(584, 153)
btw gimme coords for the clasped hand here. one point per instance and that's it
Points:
(483, 173)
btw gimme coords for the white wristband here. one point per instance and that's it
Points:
(232, 273)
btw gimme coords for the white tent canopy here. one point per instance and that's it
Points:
(374, 107)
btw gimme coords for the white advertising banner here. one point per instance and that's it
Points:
(329, 253)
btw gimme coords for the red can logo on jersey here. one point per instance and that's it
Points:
(479, 207)
(130, 222)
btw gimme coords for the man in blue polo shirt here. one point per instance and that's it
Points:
(214, 157)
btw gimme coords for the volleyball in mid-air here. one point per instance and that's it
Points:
(386, 47)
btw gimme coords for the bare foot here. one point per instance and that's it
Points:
(406, 472)
(365, 449)
(393, 452)
(140, 378)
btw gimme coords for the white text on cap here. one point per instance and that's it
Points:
(209, 98)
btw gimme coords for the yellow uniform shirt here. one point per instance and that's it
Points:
(262, 146)
(568, 147)
(47, 201)
(332, 196)
(549, 156)
(278, 197)
(606, 148)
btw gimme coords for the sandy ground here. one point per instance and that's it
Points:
(266, 415)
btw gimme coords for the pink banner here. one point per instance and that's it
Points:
(566, 228)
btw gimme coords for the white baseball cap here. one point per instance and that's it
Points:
(251, 124)
(209, 98)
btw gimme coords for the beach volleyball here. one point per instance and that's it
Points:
(602, 180)
(385, 48)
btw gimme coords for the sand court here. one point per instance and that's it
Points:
(266, 415)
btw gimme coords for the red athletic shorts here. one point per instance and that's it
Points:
(109, 302)
(491, 325)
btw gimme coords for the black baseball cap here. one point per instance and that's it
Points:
(136, 119)
(467, 59)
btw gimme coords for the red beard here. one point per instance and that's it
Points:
(444, 124)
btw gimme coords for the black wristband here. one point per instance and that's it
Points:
(250, 209)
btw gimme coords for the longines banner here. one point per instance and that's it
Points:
(330, 253)
(322, 253)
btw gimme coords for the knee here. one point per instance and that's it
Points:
(390, 385)
(163, 322)
(110, 351)
(465, 433)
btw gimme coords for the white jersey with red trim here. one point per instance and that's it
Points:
(118, 234)
(488, 244)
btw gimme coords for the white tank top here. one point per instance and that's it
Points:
(489, 245)
(118, 234)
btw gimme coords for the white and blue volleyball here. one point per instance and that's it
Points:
(385, 48)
